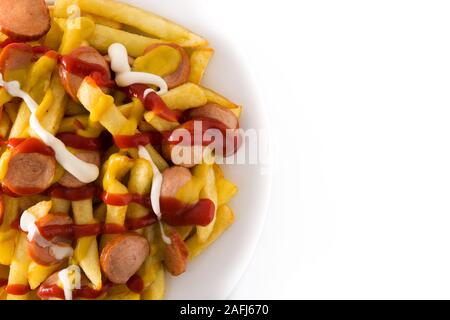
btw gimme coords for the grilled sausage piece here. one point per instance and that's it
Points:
(176, 254)
(40, 249)
(173, 179)
(122, 257)
(24, 20)
(16, 56)
(29, 173)
(181, 75)
(68, 180)
(71, 81)
(216, 112)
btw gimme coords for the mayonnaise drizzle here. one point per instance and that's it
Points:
(70, 279)
(83, 171)
(156, 190)
(125, 77)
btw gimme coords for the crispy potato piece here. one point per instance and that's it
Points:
(225, 218)
(159, 123)
(104, 36)
(104, 21)
(145, 21)
(38, 274)
(184, 97)
(200, 59)
(156, 290)
(209, 192)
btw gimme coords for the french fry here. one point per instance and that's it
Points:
(104, 21)
(135, 17)
(54, 37)
(37, 85)
(209, 192)
(116, 167)
(18, 273)
(38, 274)
(226, 190)
(5, 125)
(214, 97)
(8, 235)
(102, 109)
(157, 289)
(76, 31)
(200, 59)
(184, 97)
(225, 218)
(51, 110)
(159, 123)
(121, 292)
(86, 250)
(104, 36)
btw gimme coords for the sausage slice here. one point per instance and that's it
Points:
(122, 257)
(24, 20)
(216, 112)
(68, 180)
(39, 249)
(29, 173)
(181, 75)
(174, 179)
(71, 81)
(176, 254)
(16, 56)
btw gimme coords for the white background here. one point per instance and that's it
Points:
(358, 96)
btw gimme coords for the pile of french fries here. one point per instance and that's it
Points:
(100, 23)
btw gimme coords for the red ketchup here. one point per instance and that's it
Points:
(75, 141)
(136, 284)
(30, 145)
(140, 139)
(85, 292)
(152, 102)
(3, 282)
(229, 142)
(177, 214)
(139, 223)
(84, 69)
(17, 289)
(125, 199)
(73, 194)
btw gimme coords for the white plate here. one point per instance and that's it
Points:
(215, 273)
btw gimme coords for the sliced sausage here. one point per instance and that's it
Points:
(68, 180)
(29, 173)
(24, 20)
(176, 255)
(181, 75)
(16, 56)
(72, 81)
(174, 179)
(50, 226)
(216, 112)
(122, 257)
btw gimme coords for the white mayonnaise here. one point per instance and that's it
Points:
(125, 77)
(155, 193)
(83, 171)
(70, 279)
(28, 224)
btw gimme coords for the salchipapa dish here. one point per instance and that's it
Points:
(93, 205)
